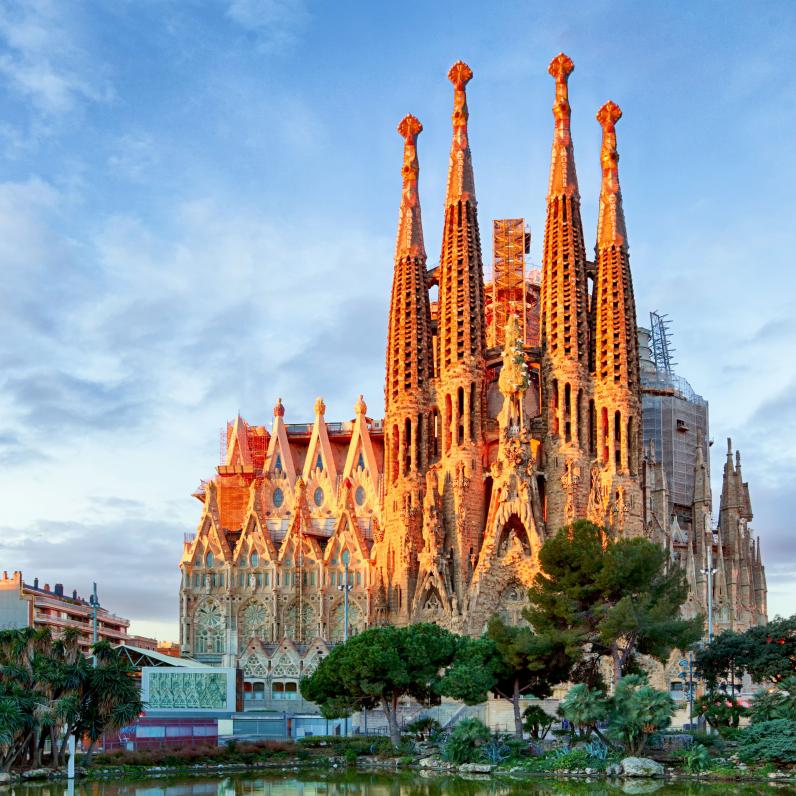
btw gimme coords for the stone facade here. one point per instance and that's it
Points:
(482, 455)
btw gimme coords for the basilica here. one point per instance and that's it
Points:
(505, 419)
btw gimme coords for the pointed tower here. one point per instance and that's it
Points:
(617, 393)
(567, 398)
(460, 350)
(407, 390)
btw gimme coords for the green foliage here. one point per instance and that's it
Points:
(621, 597)
(635, 711)
(720, 710)
(378, 667)
(769, 741)
(583, 707)
(424, 727)
(49, 690)
(766, 652)
(777, 703)
(466, 741)
(536, 722)
(696, 758)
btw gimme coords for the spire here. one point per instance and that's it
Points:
(563, 179)
(409, 358)
(614, 308)
(461, 184)
(410, 226)
(461, 281)
(611, 224)
(565, 321)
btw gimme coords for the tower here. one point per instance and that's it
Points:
(566, 385)
(617, 394)
(407, 391)
(460, 350)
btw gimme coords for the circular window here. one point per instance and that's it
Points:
(318, 496)
(359, 495)
(278, 497)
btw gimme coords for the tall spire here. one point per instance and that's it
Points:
(616, 343)
(409, 360)
(611, 229)
(461, 184)
(410, 226)
(563, 179)
(566, 385)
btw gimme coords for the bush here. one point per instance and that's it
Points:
(637, 710)
(464, 744)
(779, 703)
(696, 758)
(768, 741)
(425, 727)
(536, 722)
(720, 710)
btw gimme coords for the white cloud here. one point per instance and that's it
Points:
(276, 23)
(46, 60)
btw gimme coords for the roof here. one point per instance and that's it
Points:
(141, 657)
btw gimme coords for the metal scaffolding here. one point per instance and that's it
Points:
(511, 242)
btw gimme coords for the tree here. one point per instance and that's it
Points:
(584, 707)
(635, 711)
(720, 710)
(508, 661)
(723, 659)
(618, 598)
(776, 703)
(537, 722)
(379, 667)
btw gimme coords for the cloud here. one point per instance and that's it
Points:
(276, 23)
(46, 61)
(133, 559)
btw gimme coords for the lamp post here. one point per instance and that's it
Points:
(93, 601)
(345, 588)
(710, 572)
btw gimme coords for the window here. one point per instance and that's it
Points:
(319, 462)
(361, 461)
(278, 497)
(259, 578)
(243, 561)
(255, 559)
(278, 463)
(267, 578)
(195, 579)
(359, 578)
(318, 496)
(209, 559)
(359, 495)
(284, 690)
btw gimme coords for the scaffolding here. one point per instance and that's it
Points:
(511, 242)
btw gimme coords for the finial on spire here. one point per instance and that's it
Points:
(320, 406)
(360, 407)
(410, 226)
(611, 229)
(563, 178)
(461, 184)
(279, 409)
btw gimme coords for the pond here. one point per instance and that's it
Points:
(366, 784)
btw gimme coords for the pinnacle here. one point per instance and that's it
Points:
(609, 115)
(561, 67)
(460, 75)
(410, 126)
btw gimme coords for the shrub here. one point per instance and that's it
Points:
(779, 703)
(696, 758)
(768, 741)
(424, 727)
(465, 741)
(536, 722)
(637, 710)
(720, 710)
(583, 707)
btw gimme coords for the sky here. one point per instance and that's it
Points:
(198, 206)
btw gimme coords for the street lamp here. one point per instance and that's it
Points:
(93, 601)
(345, 588)
(710, 572)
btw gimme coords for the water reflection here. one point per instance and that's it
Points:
(357, 784)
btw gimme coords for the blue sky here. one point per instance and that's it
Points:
(198, 204)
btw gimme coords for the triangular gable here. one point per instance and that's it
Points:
(286, 660)
(255, 537)
(360, 451)
(300, 525)
(347, 532)
(208, 534)
(279, 456)
(320, 449)
(238, 453)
